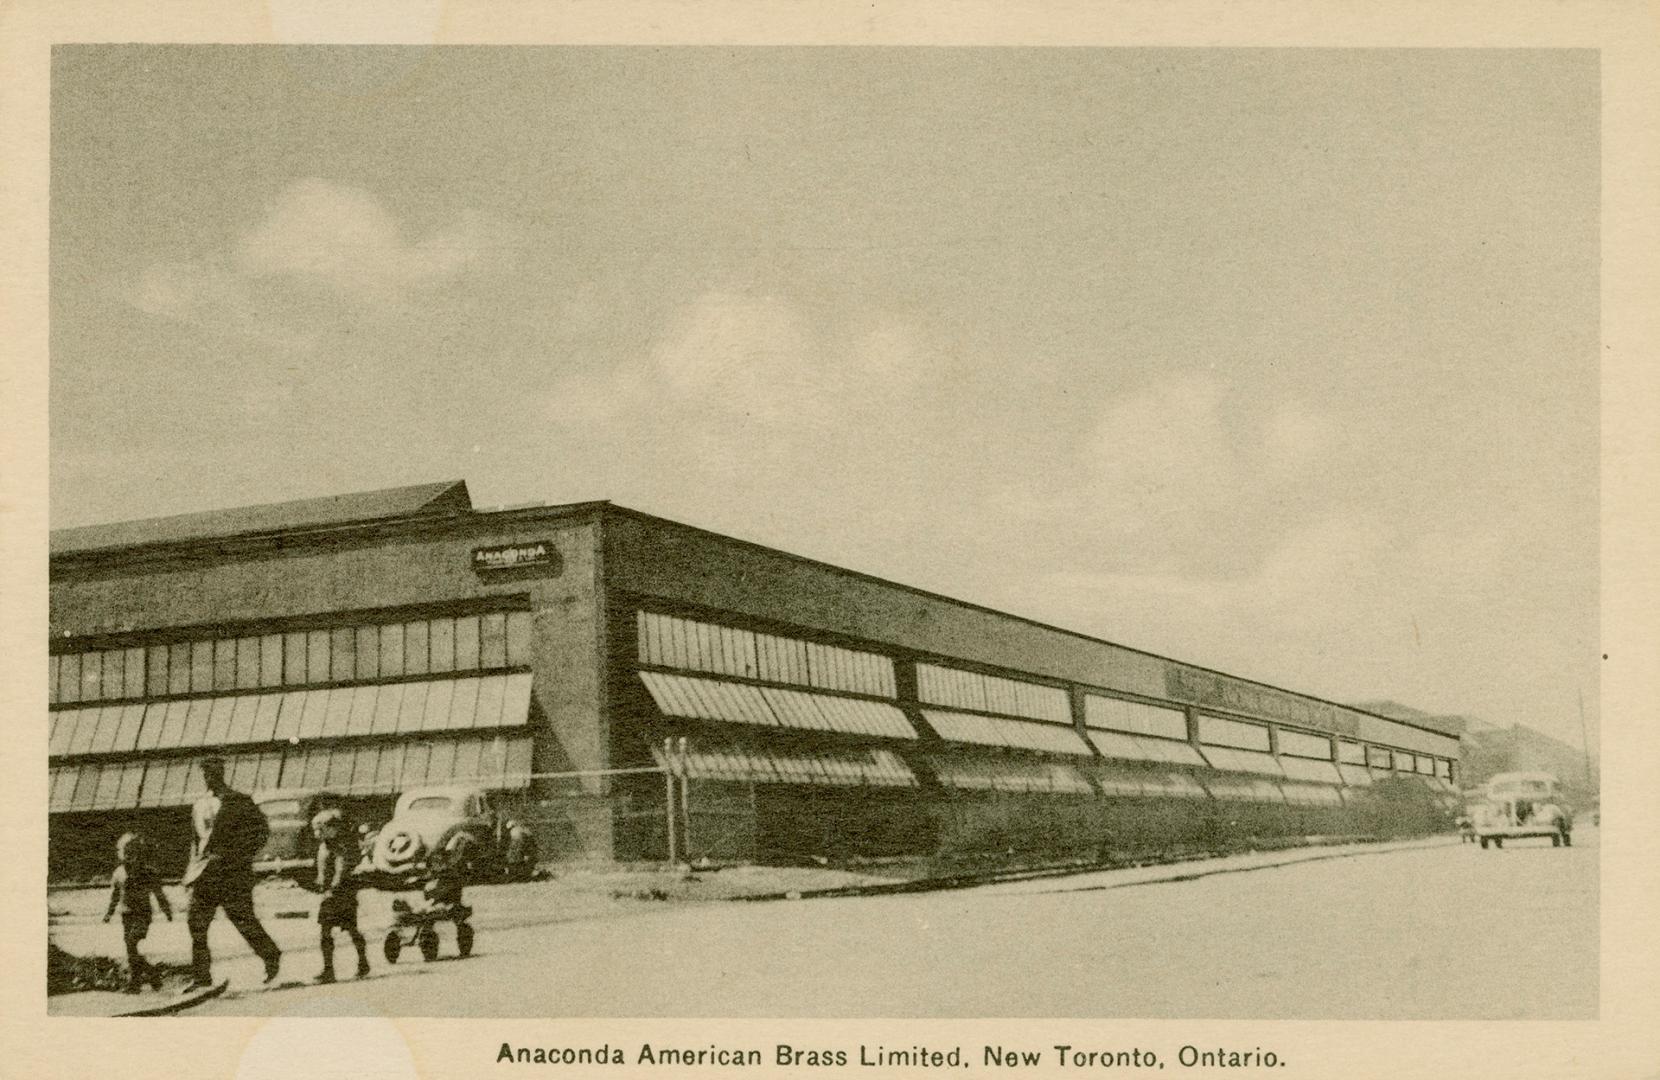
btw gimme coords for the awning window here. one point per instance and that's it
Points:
(1355, 775)
(1121, 781)
(742, 762)
(1134, 717)
(1002, 774)
(1115, 744)
(1246, 761)
(1301, 794)
(490, 701)
(1243, 788)
(996, 731)
(1315, 772)
(685, 697)
(382, 768)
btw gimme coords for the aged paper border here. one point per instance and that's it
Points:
(1625, 1042)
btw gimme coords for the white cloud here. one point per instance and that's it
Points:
(344, 238)
(338, 239)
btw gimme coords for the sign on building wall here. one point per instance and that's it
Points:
(538, 555)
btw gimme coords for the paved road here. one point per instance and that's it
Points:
(1445, 931)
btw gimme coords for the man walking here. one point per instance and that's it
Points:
(229, 831)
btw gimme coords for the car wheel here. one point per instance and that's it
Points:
(1484, 843)
(1498, 841)
(464, 938)
(427, 939)
(1555, 840)
(392, 946)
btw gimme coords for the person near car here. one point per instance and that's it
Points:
(229, 831)
(1552, 815)
(337, 910)
(519, 854)
(135, 891)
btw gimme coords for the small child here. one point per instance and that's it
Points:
(132, 885)
(337, 910)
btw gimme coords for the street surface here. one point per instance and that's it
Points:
(1430, 930)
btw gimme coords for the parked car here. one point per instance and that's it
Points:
(1522, 804)
(290, 846)
(431, 820)
(291, 849)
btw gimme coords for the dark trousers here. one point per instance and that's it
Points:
(134, 929)
(236, 895)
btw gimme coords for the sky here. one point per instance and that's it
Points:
(1282, 362)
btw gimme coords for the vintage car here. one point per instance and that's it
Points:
(291, 849)
(1523, 804)
(449, 820)
(290, 846)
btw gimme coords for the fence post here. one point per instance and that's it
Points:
(668, 805)
(685, 801)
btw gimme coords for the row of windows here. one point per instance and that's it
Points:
(667, 641)
(1134, 717)
(1220, 731)
(995, 731)
(991, 693)
(1004, 775)
(386, 768)
(1301, 744)
(743, 764)
(296, 715)
(769, 706)
(297, 658)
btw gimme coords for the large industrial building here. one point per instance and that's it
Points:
(557, 655)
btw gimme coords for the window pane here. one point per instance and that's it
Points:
(92, 669)
(466, 643)
(317, 656)
(270, 660)
(224, 664)
(69, 678)
(219, 721)
(178, 668)
(339, 715)
(343, 642)
(194, 728)
(52, 666)
(415, 647)
(114, 679)
(388, 700)
(368, 652)
(201, 666)
(155, 662)
(492, 641)
(294, 658)
(442, 644)
(518, 638)
(134, 685)
(247, 663)
(391, 649)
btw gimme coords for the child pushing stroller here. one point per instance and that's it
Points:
(337, 856)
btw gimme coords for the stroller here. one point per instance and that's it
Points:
(415, 923)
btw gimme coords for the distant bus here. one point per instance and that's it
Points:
(1520, 804)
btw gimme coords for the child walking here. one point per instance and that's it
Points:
(337, 910)
(132, 885)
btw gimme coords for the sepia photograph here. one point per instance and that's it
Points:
(824, 532)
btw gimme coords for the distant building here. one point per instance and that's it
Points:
(1489, 750)
(369, 643)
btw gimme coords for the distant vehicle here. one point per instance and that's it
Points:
(1521, 804)
(431, 820)
(291, 848)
